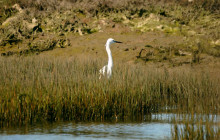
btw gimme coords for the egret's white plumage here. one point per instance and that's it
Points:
(107, 69)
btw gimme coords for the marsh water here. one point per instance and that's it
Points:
(154, 126)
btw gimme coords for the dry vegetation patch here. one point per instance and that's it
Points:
(43, 88)
(26, 21)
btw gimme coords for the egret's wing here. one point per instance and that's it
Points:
(102, 71)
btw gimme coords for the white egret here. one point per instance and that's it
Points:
(108, 68)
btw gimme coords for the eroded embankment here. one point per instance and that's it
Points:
(29, 31)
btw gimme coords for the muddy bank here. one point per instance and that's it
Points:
(176, 34)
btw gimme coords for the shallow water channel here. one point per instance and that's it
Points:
(154, 126)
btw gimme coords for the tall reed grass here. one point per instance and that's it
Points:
(196, 126)
(42, 88)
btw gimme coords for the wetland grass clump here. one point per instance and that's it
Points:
(195, 126)
(39, 88)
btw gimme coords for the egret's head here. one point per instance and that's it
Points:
(110, 41)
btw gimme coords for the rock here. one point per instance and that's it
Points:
(160, 27)
(191, 32)
(152, 18)
(9, 20)
(80, 31)
(217, 42)
(182, 53)
(30, 26)
(17, 7)
(34, 20)
(103, 22)
(14, 18)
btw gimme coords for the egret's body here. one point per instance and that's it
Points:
(107, 69)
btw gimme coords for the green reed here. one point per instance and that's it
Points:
(40, 88)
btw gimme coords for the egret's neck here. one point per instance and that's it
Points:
(110, 60)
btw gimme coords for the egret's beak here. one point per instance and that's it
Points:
(117, 41)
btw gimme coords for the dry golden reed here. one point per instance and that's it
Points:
(40, 88)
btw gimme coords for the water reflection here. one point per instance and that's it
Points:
(155, 126)
(95, 131)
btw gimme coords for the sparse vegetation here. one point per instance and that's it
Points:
(196, 126)
(197, 20)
